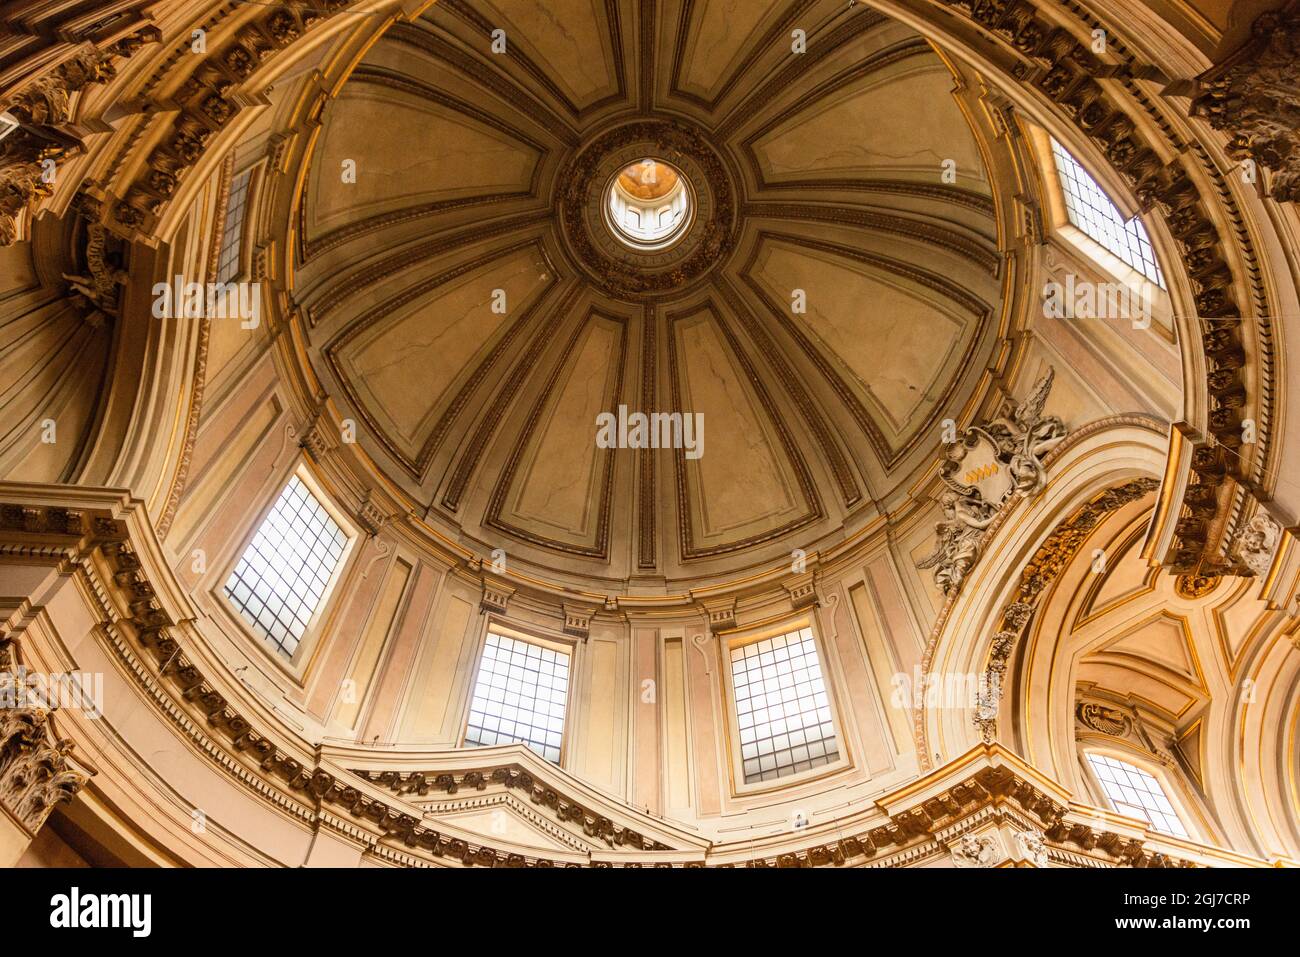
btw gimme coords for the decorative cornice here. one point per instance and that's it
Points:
(208, 103)
(42, 104)
(1050, 59)
(989, 777)
(563, 809)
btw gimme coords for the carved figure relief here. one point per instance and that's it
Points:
(972, 851)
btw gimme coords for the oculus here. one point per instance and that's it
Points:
(649, 205)
(648, 208)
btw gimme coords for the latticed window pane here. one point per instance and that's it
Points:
(1092, 211)
(519, 696)
(1136, 793)
(783, 711)
(280, 580)
(233, 232)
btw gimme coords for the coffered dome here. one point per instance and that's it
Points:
(498, 244)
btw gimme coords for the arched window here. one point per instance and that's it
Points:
(1091, 211)
(1136, 793)
(520, 696)
(280, 581)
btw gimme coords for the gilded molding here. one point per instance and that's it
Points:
(1038, 576)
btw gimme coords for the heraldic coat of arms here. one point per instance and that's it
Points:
(984, 467)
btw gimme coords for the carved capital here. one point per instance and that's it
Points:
(34, 771)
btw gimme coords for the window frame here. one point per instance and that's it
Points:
(1169, 785)
(1103, 255)
(1077, 243)
(243, 254)
(503, 628)
(729, 640)
(294, 665)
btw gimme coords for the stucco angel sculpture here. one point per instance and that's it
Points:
(958, 539)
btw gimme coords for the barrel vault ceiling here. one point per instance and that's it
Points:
(450, 311)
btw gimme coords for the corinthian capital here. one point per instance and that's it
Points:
(34, 771)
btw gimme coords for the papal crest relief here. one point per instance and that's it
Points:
(985, 466)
